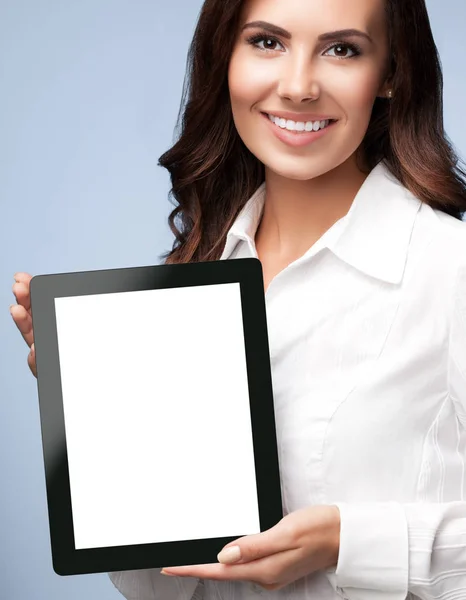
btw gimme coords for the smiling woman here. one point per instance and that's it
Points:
(369, 67)
(312, 138)
(340, 71)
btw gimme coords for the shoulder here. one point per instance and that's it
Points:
(451, 241)
(445, 223)
(449, 225)
(452, 235)
(444, 263)
(436, 263)
(444, 237)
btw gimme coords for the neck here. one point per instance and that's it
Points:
(297, 213)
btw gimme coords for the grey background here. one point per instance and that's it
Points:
(89, 95)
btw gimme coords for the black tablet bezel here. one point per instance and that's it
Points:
(44, 289)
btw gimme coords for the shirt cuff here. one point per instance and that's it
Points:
(374, 552)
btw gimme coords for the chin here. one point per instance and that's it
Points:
(292, 169)
(305, 168)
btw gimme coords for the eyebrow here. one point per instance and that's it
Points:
(324, 37)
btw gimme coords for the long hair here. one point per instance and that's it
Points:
(213, 174)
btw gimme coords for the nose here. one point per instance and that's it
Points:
(298, 82)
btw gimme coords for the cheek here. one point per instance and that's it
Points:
(247, 82)
(356, 91)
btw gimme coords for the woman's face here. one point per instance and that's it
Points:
(293, 63)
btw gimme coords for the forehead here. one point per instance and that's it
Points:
(307, 16)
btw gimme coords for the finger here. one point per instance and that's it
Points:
(253, 547)
(21, 291)
(32, 361)
(266, 570)
(23, 321)
(23, 277)
(213, 571)
(22, 294)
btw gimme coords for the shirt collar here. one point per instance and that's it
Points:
(372, 237)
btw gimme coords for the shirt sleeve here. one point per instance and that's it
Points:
(388, 550)
(150, 584)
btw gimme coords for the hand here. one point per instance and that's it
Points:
(22, 316)
(303, 542)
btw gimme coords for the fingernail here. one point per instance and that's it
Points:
(32, 347)
(230, 555)
(167, 574)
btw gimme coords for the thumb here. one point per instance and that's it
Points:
(252, 547)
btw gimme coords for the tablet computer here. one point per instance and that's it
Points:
(156, 411)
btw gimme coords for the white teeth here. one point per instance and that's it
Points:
(298, 125)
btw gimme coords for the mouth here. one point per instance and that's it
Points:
(299, 126)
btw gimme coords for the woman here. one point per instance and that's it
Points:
(313, 139)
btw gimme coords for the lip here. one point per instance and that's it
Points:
(296, 139)
(298, 116)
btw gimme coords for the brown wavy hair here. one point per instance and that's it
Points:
(213, 174)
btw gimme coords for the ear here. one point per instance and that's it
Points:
(387, 77)
(385, 90)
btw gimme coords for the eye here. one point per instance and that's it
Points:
(342, 50)
(269, 43)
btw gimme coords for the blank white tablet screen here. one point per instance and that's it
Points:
(157, 416)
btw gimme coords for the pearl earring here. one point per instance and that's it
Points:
(390, 94)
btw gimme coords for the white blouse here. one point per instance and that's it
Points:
(367, 334)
